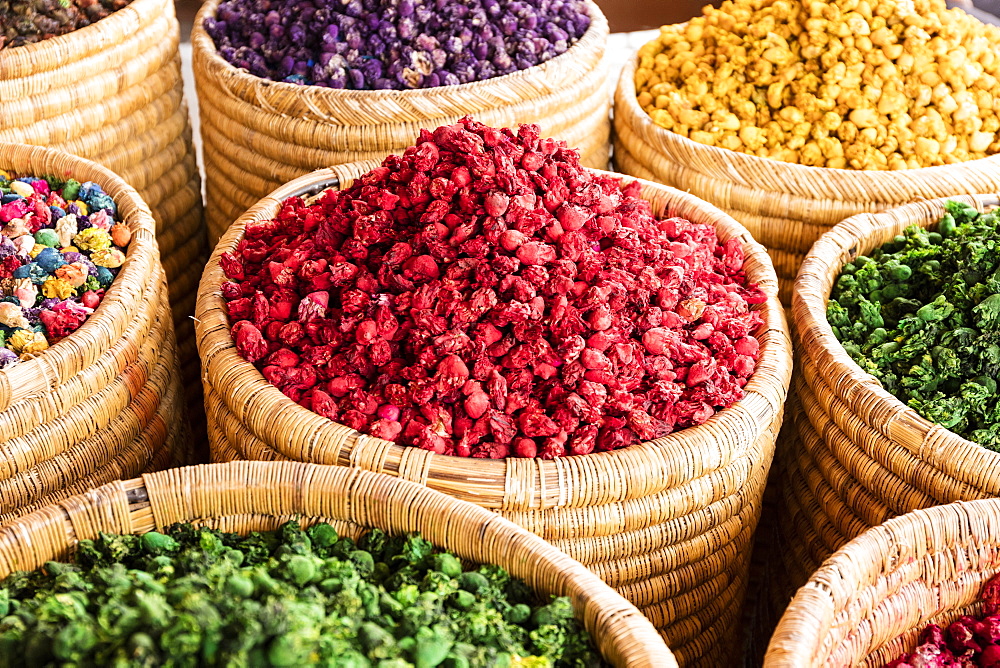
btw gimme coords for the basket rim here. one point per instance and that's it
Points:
(626, 99)
(878, 551)
(82, 42)
(156, 500)
(203, 44)
(824, 259)
(213, 326)
(141, 255)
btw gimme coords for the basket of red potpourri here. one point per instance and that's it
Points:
(484, 315)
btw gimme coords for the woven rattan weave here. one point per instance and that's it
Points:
(112, 93)
(667, 523)
(259, 134)
(259, 496)
(105, 402)
(785, 206)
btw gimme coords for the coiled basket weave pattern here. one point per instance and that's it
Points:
(105, 402)
(260, 134)
(259, 496)
(668, 523)
(857, 455)
(111, 93)
(785, 206)
(870, 600)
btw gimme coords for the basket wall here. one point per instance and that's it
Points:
(856, 455)
(112, 93)
(259, 134)
(871, 599)
(669, 523)
(106, 401)
(785, 206)
(256, 496)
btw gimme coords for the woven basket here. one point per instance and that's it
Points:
(257, 496)
(667, 523)
(105, 402)
(785, 206)
(870, 600)
(859, 456)
(260, 134)
(112, 93)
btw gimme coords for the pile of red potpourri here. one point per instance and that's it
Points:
(967, 643)
(484, 295)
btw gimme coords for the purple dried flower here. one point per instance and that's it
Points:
(393, 44)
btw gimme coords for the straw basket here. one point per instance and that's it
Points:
(105, 402)
(111, 93)
(870, 601)
(785, 206)
(258, 496)
(858, 455)
(260, 134)
(667, 523)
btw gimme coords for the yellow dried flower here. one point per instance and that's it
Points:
(110, 258)
(58, 287)
(21, 188)
(92, 239)
(27, 342)
(859, 84)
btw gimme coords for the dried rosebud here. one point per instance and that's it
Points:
(657, 341)
(511, 240)
(389, 412)
(572, 217)
(91, 298)
(525, 447)
(366, 332)
(421, 268)
(476, 404)
(536, 252)
(452, 372)
(454, 301)
(600, 318)
(250, 343)
(495, 203)
(594, 359)
(313, 306)
(386, 429)
(323, 404)
(748, 345)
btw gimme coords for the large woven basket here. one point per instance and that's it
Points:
(112, 93)
(260, 134)
(785, 206)
(667, 523)
(859, 456)
(259, 496)
(870, 600)
(105, 402)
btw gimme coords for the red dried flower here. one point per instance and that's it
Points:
(483, 295)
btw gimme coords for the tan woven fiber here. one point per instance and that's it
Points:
(871, 599)
(858, 455)
(256, 496)
(98, 402)
(112, 93)
(785, 206)
(260, 133)
(932, 460)
(668, 523)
